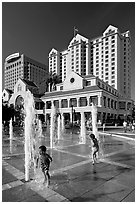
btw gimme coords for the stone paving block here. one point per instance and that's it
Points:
(56, 198)
(126, 178)
(91, 198)
(66, 190)
(6, 186)
(107, 172)
(17, 194)
(20, 177)
(130, 197)
(113, 190)
(4, 163)
(7, 176)
(46, 192)
(35, 198)
(15, 183)
(86, 183)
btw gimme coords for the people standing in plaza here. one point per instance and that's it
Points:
(125, 126)
(130, 126)
(44, 160)
(133, 127)
(103, 127)
(95, 147)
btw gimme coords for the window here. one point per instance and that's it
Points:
(19, 88)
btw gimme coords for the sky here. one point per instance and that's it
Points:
(34, 28)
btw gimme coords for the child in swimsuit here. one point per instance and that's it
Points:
(45, 160)
(95, 147)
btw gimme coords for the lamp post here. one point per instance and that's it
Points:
(72, 114)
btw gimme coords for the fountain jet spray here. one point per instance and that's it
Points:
(83, 129)
(11, 129)
(94, 121)
(11, 136)
(29, 131)
(52, 125)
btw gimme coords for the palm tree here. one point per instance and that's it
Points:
(51, 81)
(55, 80)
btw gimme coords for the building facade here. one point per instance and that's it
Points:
(20, 66)
(77, 93)
(107, 57)
(18, 96)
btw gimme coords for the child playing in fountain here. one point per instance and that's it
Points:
(45, 160)
(95, 147)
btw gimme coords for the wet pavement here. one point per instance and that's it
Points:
(73, 177)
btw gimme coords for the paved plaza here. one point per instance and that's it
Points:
(73, 177)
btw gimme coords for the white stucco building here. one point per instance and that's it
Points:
(18, 96)
(76, 93)
(107, 56)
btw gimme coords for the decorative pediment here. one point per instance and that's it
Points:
(73, 81)
(53, 52)
(77, 40)
(110, 30)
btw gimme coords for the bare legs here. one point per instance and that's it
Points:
(94, 155)
(47, 177)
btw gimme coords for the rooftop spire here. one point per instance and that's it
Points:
(75, 31)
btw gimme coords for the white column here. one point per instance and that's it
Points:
(83, 129)
(88, 102)
(59, 103)
(99, 100)
(78, 102)
(62, 122)
(68, 99)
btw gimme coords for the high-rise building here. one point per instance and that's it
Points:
(107, 57)
(20, 66)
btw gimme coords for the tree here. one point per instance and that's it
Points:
(56, 80)
(8, 112)
(51, 81)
